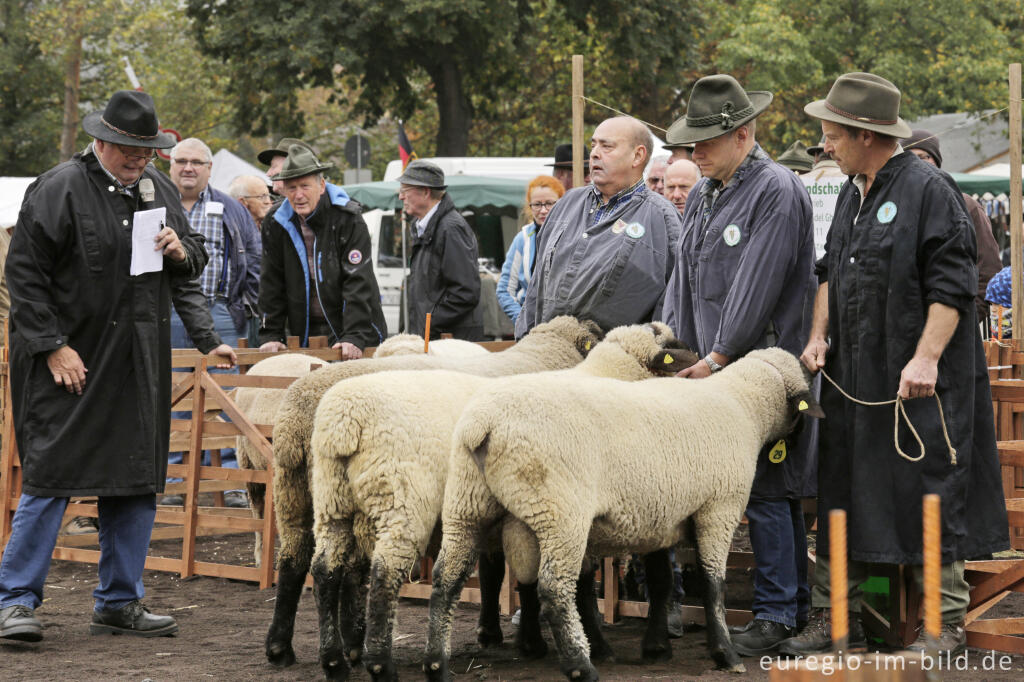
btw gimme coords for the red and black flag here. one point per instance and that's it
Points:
(404, 146)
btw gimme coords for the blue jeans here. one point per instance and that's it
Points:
(229, 334)
(126, 524)
(779, 542)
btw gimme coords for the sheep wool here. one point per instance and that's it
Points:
(561, 342)
(573, 482)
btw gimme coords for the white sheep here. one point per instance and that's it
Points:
(561, 342)
(412, 344)
(380, 450)
(260, 406)
(618, 473)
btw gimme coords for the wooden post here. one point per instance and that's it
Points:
(577, 120)
(195, 458)
(1015, 201)
(838, 583)
(426, 336)
(932, 556)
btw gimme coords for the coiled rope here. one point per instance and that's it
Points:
(898, 410)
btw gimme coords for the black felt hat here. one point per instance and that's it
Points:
(563, 158)
(129, 119)
(718, 105)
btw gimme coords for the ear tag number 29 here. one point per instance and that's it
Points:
(778, 452)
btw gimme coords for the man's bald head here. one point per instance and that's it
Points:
(619, 151)
(680, 177)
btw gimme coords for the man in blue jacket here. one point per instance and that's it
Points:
(743, 271)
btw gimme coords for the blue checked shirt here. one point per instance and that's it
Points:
(599, 212)
(214, 280)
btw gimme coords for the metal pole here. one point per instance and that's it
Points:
(577, 120)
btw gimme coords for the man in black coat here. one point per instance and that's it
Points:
(317, 277)
(444, 279)
(77, 310)
(895, 310)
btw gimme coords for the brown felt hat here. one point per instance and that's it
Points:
(862, 100)
(718, 105)
(267, 155)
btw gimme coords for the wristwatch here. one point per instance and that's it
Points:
(712, 365)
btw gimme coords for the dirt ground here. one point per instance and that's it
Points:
(223, 624)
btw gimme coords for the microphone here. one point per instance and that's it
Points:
(146, 190)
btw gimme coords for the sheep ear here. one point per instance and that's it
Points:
(805, 404)
(671, 361)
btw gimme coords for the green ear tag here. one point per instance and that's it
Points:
(778, 452)
(668, 359)
(802, 405)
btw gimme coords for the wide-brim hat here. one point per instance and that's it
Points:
(129, 119)
(818, 148)
(862, 100)
(796, 158)
(301, 162)
(718, 105)
(267, 155)
(423, 174)
(563, 158)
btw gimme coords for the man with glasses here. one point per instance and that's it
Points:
(444, 278)
(91, 363)
(252, 192)
(230, 281)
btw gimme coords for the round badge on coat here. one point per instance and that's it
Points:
(355, 256)
(635, 230)
(731, 235)
(886, 212)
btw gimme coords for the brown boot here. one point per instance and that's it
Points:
(816, 636)
(952, 640)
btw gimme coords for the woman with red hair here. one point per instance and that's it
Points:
(541, 194)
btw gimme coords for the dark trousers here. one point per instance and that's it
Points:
(126, 524)
(779, 543)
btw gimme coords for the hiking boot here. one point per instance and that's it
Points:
(737, 629)
(816, 636)
(80, 525)
(952, 640)
(675, 620)
(762, 637)
(132, 619)
(19, 622)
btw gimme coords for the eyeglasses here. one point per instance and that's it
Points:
(540, 205)
(185, 162)
(261, 197)
(133, 152)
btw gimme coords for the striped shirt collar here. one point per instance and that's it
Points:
(618, 196)
(121, 187)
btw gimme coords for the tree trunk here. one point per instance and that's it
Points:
(454, 110)
(72, 89)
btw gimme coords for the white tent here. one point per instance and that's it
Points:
(228, 166)
(12, 192)
(1000, 169)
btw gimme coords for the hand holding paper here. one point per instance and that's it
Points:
(146, 227)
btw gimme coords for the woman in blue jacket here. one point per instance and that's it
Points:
(541, 195)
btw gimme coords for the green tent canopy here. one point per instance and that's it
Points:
(979, 184)
(479, 193)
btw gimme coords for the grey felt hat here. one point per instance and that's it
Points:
(267, 155)
(718, 105)
(862, 100)
(129, 119)
(423, 174)
(796, 158)
(300, 163)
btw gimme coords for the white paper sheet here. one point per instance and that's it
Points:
(145, 227)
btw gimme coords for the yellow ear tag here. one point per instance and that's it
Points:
(778, 452)
(587, 346)
(668, 359)
(802, 405)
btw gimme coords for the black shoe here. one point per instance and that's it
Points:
(19, 622)
(132, 619)
(675, 620)
(236, 499)
(173, 500)
(816, 636)
(952, 640)
(762, 637)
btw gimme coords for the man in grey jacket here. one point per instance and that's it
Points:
(743, 271)
(605, 253)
